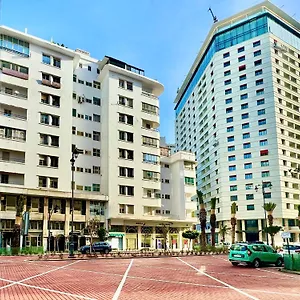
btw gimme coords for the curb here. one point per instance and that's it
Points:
(289, 271)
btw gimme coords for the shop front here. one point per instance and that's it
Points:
(116, 240)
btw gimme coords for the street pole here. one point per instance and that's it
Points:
(71, 246)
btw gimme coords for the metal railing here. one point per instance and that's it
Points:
(149, 95)
(13, 160)
(15, 138)
(14, 116)
(16, 94)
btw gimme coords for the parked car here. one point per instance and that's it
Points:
(293, 249)
(102, 247)
(254, 255)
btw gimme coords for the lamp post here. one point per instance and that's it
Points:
(263, 185)
(50, 212)
(75, 153)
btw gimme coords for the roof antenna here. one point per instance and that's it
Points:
(212, 14)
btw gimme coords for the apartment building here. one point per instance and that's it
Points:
(53, 99)
(238, 111)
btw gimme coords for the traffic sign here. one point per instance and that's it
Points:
(286, 235)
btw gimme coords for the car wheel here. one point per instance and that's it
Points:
(106, 251)
(234, 263)
(256, 263)
(279, 262)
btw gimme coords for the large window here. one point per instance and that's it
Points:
(189, 180)
(13, 44)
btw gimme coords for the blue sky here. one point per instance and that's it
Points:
(162, 37)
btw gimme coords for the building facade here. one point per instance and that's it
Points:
(238, 111)
(53, 99)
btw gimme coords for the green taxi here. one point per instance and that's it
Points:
(254, 255)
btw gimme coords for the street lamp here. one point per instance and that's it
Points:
(50, 212)
(75, 153)
(263, 185)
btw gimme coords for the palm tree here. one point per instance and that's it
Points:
(212, 220)
(269, 208)
(233, 222)
(299, 215)
(223, 230)
(202, 217)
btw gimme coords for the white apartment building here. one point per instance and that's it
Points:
(238, 111)
(54, 99)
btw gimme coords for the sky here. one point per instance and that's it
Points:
(163, 37)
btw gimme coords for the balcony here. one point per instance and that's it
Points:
(149, 95)
(15, 73)
(56, 85)
(46, 82)
(13, 113)
(14, 92)
(13, 134)
(151, 201)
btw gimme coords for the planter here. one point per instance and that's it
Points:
(292, 262)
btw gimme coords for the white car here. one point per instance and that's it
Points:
(293, 249)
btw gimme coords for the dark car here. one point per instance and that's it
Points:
(102, 247)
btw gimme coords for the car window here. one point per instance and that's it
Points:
(238, 247)
(259, 248)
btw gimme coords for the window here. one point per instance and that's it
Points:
(126, 154)
(148, 141)
(243, 87)
(249, 186)
(264, 163)
(96, 170)
(256, 44)
(96, 85)
(96, 152)
(232, 168)
(53, 183)
(249, 197)
(248, 176)
(230, 139)
(231, 158)
(263, 143)
(262, 132)
(244, 106)
(74, 78)
(262, 122)
(189, 180)
(42, 181)
(231, 148)
(98, 71)
(244, 96)
(245, 116)
(242, 68)
(227, 54)
(96, 187)
(246, 145)
(148, 108)
(46, 59)
(259, 82)
(230, 129)
(247, 155)
(129, 85)
(245, 125)
(241, 49)
(234, 198)
(260, 102)
(241, 58)
(226, 64)
(126, 190)
(229, 110)
(96, 118)
(121, 83)
(89, 68)
(229, 120)
(87, 83)
(257, 53)
(96, 101)
(243, 77)
(265, 173)
(227, 73)
(232, 178)
(233, 188)
(248, 166)
(150, 158)
(257, 62)
(246, 135)
(226, 82)
(250, 207)
(264, 152)
(80, 81)
(96, 135)
(229, 100)
(258, 72)
(261, 112)
(228, 91)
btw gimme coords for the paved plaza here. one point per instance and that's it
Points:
(192, 277)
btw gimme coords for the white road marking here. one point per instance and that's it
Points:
(277, 273)
(47, 290)
(119, 289)
(222, 282)
(38, 275)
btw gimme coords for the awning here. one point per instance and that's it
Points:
(116, 234)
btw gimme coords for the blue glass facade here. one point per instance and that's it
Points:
(15, 45)
(249, 29)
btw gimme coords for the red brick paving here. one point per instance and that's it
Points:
(148, 278)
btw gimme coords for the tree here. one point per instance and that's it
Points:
(223, 230)
(299, 215)
(202, 217)
(269, 208)
(233, 222)
(190, 235)
(212, 220)
(17, 227)
(93, 225)
(102, 234)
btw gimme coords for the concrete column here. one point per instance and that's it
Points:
(180, 238)
(87, 211)
(260, 230)
(243, 233)
(153, 238)
(45, 223)
(139, 237)
(67, 217)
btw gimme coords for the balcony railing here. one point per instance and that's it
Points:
(13, 160)
(51, 84)
(14, 73)
(14, 138)
(7, 91)
(14, 116)
(144, 93)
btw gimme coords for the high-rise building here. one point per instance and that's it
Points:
(238, 111)
(54, 100)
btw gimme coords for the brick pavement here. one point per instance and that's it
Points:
(153, 278)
